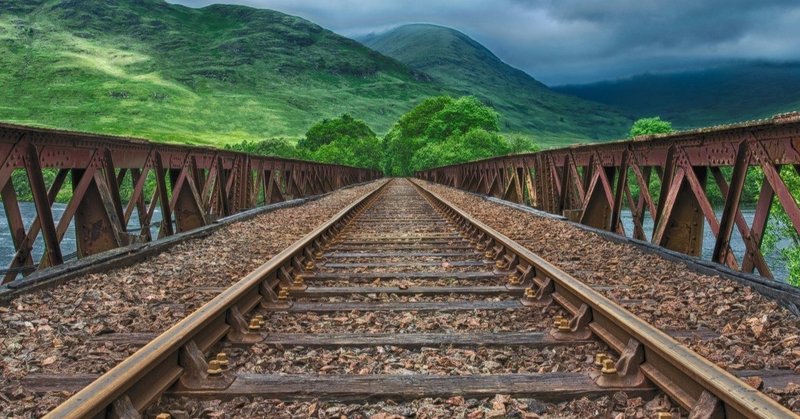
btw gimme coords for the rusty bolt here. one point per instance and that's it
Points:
(557, 321)
(489, 254)
(163, 416)
(260, 320)
(513, 279)
(254, 325)
(283, 294)
(309, 265)
(564, 326)
(318, 255)
(298, 281)
(501, 264)
(530, 294)
(599, 358)
(222, 360)
(214, 368)
(664, 415)
(608, 367)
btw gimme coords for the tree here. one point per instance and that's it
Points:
(409, 135)
(520, 143)
(460, 116)
(650, 126)
(349, 151)
(474, 145)
(328, 130)
(278, 147)
(442, 130)
(780, 235)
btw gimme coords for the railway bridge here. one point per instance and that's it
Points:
(623, 279)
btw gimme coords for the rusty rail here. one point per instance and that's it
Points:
(193, 187)
(176, 359)
(591, 184)
(697, 384)
(140, 379)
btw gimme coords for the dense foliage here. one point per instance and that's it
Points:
(443, 130)
(781, 235)
(650, 126)
(278, 147)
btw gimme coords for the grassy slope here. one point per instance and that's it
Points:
(526, 105)
(170, 73)
(702, 98)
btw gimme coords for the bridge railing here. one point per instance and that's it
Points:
(111, 178)
(664, 183)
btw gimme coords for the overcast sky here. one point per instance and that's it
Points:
(570, 41)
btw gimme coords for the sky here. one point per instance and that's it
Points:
(579, 41)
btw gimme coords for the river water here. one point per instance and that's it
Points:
(68, 245)
(68, 248)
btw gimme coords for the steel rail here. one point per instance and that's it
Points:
(152, 369)
(680, 372)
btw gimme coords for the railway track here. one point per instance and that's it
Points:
(406, 260)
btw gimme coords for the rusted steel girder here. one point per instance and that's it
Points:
(191, 187)
(592, 184)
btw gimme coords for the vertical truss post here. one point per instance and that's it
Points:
(731, 208)
(42, 203)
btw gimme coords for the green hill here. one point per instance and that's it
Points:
(224, 74)
(462, 64)
(213, 75)
(702, 98)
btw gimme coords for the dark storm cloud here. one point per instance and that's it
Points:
(560, 41)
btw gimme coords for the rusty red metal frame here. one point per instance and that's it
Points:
(194, 186)
(591, 184)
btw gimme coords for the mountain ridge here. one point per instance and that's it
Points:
(227, 73)
(462, 63)
(697, 98)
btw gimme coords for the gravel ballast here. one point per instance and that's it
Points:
(755, 332)
(51, 331)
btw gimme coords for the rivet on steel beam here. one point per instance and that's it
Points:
(214, 368)
(222, 360)
(608, 367)
(598, 359)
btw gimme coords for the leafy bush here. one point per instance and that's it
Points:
(650, 126)
(474, 145)
(279, 147)
(357, 152)
(442, 130)
(780, 234)
(328, 130)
